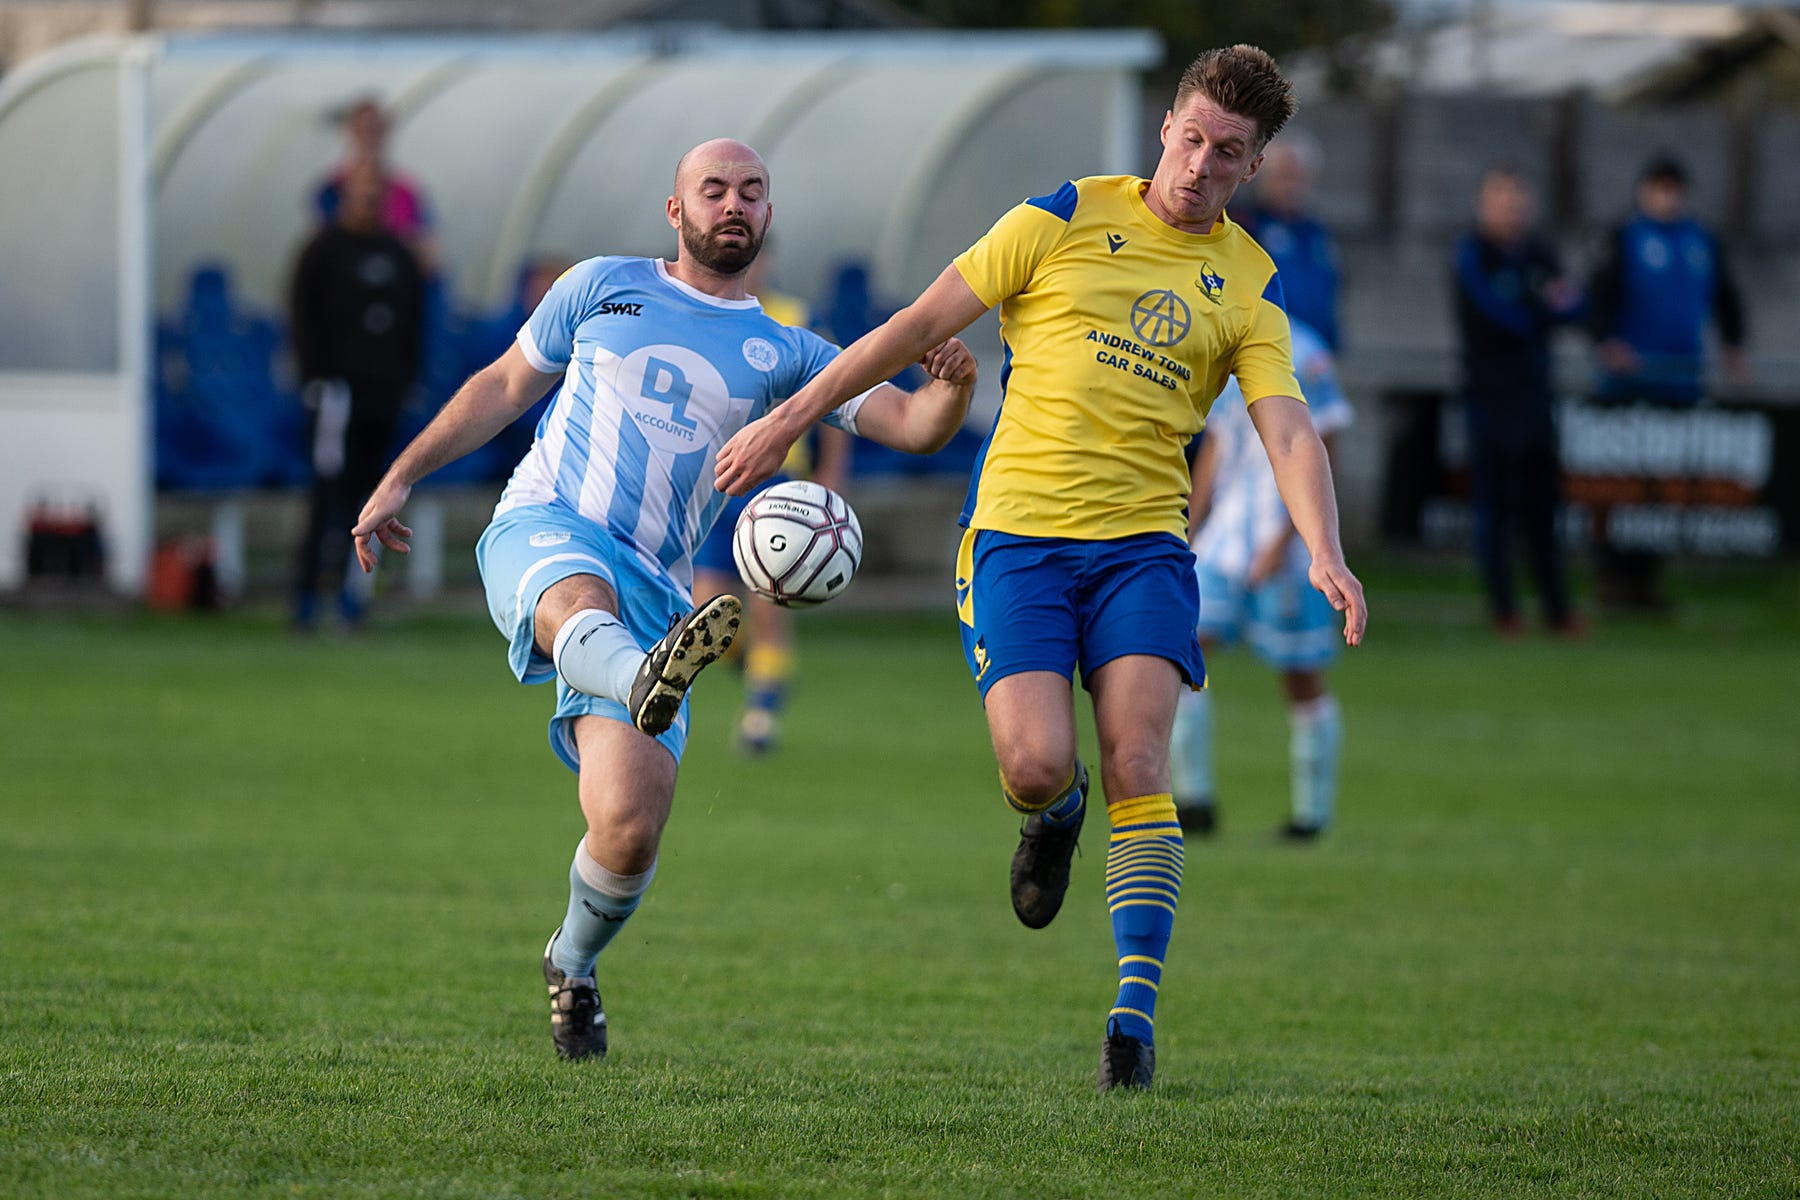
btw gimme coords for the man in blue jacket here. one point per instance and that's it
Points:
(1510, 293)
(1281, 221)
(1661, 280)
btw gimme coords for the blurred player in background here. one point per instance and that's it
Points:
(1510, 294)
(356, 313)
(587, 560)
(1252, 568)
(767, 645)
(1124, 305)
(1280, 219)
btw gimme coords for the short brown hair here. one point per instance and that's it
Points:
(1243, 80)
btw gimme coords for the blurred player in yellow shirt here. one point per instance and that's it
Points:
(1125, 304)
(768, 643)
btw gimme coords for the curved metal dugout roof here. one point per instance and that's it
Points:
(898, 149)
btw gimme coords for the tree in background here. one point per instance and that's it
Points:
(1188, 26)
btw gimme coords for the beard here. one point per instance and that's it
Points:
(705, 247)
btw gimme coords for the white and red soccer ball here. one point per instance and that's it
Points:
(797, 544)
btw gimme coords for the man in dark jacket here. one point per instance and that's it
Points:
(1510, 292)
(357, 303)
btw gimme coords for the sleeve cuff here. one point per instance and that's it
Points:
(845, 413)
(529, 348)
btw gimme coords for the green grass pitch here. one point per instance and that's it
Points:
(272, 916)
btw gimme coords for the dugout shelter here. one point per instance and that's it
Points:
(136, 165)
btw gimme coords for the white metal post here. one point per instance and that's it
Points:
(131, 527)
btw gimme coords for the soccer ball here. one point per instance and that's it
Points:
(797, 544)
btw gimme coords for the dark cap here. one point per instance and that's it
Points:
(1664, 168)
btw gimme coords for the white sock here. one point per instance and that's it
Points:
(596, 654)
(599, 904)
(1317, 738)
(1191, 749)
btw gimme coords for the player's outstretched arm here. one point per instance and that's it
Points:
(1303, 473)
(756, 451)
(481, 408)
(923, 422)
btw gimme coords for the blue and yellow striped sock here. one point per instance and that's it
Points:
(1063, 810)
(1143, 887)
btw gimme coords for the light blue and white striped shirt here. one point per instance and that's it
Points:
(657, 376)
(1247, 512)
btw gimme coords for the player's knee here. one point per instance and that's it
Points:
(1035, 782)
(1135, 766)
(1302, 687)
(625, 843)
(566, 597)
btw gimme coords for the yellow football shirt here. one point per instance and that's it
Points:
(1119, 333)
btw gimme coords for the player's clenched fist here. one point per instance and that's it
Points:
(949, 361)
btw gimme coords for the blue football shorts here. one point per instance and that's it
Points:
(1285, 620)
(714, 553)
(1062, 604)
(526, 550)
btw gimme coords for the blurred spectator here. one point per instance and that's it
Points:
(404, 212)
(534, 281)
(1303, 250)
(357, 301)
(1510, 292)
(1661, 280)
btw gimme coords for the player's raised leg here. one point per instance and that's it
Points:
(1031, 718)
(578, 625)
(1134, 708)
(627, 784)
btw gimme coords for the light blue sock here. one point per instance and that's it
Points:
(1313, 748)
(594, 653)
(599, 903)
(1191, 749)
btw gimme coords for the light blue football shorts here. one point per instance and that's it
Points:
(526, 550)
(1286, 622)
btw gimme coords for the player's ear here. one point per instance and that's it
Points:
(1168, 124)
(1255, 166)
(673, 209)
